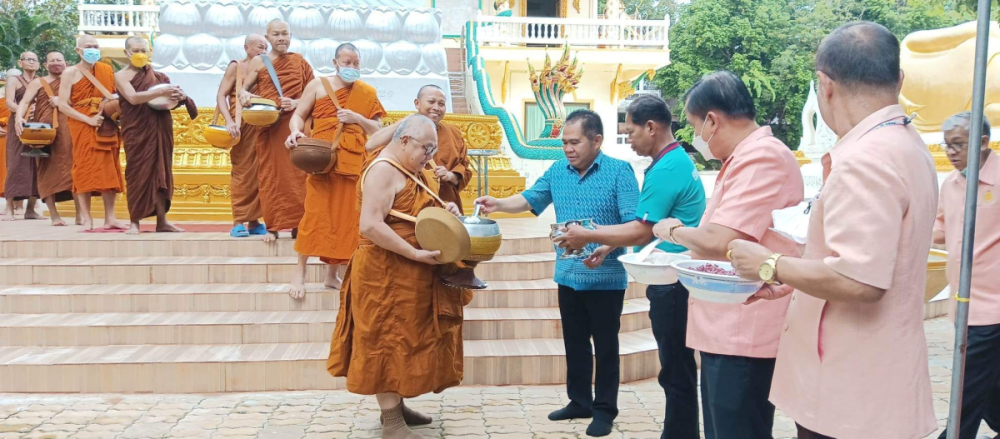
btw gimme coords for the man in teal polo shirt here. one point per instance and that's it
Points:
(671, 188)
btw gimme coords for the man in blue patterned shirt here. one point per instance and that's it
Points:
(585, 185)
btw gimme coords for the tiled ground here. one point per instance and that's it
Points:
(494, 412)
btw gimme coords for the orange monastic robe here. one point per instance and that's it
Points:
(96, 165)
(4, 116)
(243, 156)
(399, 328)
(329, 228)
(454, 156)
(282, 186)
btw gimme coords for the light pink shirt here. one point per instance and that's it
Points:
(760, 176)
(859, 370)
(984, 308)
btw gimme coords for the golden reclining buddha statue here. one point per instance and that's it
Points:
(938, 65)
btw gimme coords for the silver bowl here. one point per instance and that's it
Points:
(163, 103)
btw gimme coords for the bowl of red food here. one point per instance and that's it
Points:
(715, 281)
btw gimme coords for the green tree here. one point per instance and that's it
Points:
(38, 26)
(646, 9)
(771, 44)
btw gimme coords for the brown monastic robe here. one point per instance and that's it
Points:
(329, 228)
(453, 155)
(55, 173)
(282, 186)
(5, 116)
(148, 138)
(21, 182)
(399, 328)
(243, 186)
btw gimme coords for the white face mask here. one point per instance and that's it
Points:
(701, 144)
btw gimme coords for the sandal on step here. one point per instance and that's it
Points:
(261, 229)
(239, 231)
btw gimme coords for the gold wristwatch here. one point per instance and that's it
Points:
(769, 269)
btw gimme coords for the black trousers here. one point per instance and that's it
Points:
(981, 391)
(734, 393)
(668, 307)
(597, 315)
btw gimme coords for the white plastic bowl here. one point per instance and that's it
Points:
(656, 270)
(715, 288)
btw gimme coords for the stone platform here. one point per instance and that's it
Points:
(202, 312)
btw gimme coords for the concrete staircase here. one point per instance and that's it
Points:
(456, 80)
(202, 312)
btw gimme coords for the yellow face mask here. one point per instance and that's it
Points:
(139, 60)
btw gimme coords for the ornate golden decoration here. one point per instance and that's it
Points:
(496, 191)
(205, 191)
(480, 132)
(576, 5)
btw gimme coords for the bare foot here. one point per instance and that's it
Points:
(79, 219)
(58, 222)
(7, 216)
(333, 280)
(270, 236)
(18, 207)
(88, 224)
(113, 224)
(33, 215)
(133, 229)
(298, 289)
(168, 228)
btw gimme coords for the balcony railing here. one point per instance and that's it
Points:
(651, 34)
(125, 17)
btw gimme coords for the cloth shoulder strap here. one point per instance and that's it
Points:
(100, 87)
(24, 82)
(236, 101)
(330, 92)
(423, 186)
(270, 71)
(55, 108)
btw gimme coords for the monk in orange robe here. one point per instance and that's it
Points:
(399, 328)
(148, 137)
(96, 141)
(5, 115)
(282, 186)
(21, 182)
(55, 178)
(329, 228)
(243, 191)
(450, 166)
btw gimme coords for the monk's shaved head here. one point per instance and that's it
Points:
(279, 36)
(54, 55)
(87, 42)
(254, 39)
(134, 42)
(415, 142)
(431, 102)
(429, 88)
(415, 125)
(29, 61)
(345, 47)
(275, 24)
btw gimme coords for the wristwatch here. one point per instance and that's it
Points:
(769, 269)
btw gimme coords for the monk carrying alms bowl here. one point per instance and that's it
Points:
(465, 240)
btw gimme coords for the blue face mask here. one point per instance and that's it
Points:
(349, 74)
(91, 56)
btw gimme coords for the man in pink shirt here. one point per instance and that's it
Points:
(982, 368)
(738, 343)
(852, 361)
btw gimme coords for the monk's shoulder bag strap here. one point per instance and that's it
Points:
(340, 125)
(273, 74)
(55, 108)
(416, 180)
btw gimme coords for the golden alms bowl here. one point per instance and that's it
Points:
(261, 112)
(219, 137)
